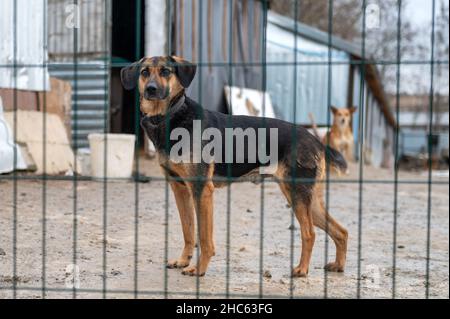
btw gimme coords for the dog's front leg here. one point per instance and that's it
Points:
(347, 151)
(203, 199)
(185, 205)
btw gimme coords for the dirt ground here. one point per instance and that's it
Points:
(122, 253)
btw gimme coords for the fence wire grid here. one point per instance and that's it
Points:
(74, 56)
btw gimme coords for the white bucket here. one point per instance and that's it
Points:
(119, 157)
(84, 161)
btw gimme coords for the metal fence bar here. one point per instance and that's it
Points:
(396, 168)
(105, 155)
(294, 138)
(430, 150)
(327, 157)
(200, 248)
(263, 88)
(75, 148)
(230, 81)
(44, 160)
(166, 184)
(157, 293)
(15, 152)
(235, 180)
(368, 61)
(137, 160)
(361, 147)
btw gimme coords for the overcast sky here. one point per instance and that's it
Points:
(419, 13)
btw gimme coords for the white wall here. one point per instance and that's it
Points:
(7, 146)
(25, 44)
(155, 34)
(155, 28)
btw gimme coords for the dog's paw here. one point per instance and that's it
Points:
(177, 263)
(334, 267)
(192, 271)
(299, 272)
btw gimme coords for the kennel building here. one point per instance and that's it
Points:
(226, 37)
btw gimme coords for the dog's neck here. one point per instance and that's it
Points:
(338, 129)
(176, 104)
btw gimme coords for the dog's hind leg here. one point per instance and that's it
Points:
(303, 214)
(339, 234)
(185, 205)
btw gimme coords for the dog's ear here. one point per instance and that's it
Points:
(184, 70)
(352, 109)
(130, 75)
(334, 109)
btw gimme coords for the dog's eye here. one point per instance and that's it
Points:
(145, 73)
(165, 72)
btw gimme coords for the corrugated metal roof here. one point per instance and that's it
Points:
(93, 32)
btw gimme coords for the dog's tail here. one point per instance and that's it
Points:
(336, 160)
(314, 125)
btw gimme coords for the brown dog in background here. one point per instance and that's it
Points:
(340, 136)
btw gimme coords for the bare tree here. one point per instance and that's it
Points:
(383, 41)
(441, 54)
(345, 15)
(347, 19)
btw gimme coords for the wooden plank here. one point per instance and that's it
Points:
(194, 31)
(59, 157)
(234, 28)
(245, 32)
(225, 31)
(181, 29)
(58, 101)
(210, 34)
(25, 100)
(257, 29)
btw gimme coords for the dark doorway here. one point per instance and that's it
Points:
(128, 44)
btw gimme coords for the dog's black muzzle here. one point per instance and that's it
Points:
(155, 92)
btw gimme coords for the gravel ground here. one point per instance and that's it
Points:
(122, 278)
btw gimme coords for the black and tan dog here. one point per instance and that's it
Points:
(300, 171)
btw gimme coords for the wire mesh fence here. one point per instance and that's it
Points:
(75, 235)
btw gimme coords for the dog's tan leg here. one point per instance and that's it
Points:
(185, 206)
(304, 217)
(339, 234)
(204, 207)
(347, 151)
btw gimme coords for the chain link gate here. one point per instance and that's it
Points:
(84, 64)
